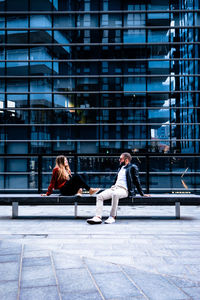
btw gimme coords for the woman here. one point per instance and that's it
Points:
(63, 180)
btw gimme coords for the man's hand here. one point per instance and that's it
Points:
(44, 195)
(146, 195)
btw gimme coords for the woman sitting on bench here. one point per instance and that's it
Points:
(67, 183)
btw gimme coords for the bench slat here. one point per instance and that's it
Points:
(158, 199)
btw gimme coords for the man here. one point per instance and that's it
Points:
(125, 182)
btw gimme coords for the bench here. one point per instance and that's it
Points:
(154, 200)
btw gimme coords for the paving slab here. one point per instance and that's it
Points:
(34, 276)
(42, 293)
(9, 271)
(8, 290)
(75, 280)
(64, 261)
(112, 285)
(95, 266)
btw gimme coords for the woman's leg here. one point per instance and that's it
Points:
(80, 182)
(72, 186)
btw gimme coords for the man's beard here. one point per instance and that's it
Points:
(122, 164)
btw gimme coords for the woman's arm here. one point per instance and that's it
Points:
(52, 182)
(68, 170)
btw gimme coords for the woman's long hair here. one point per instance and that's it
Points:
(63, 171)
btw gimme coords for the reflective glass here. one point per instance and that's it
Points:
(100, 77)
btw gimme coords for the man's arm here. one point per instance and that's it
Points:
(136, 179)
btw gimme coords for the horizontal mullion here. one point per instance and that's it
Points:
(96, 124)
(56, 12)
(174, 190)
(21, 189)
(97, 44)
(102, 92)
(100, 28)
(19, 173)
(172, 173)
(101, 59)
(98, 108)
(100, 76)
(173, 139)
(95, 155)
(100, 173)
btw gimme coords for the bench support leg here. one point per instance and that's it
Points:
(75, 209)
(177, 208)
(14, 210)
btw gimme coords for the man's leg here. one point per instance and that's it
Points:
(117, 194)
(105, 195)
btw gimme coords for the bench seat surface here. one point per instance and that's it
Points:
(56, 199)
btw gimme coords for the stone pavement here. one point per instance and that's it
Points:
(147, 254)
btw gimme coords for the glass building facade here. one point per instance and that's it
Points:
(91, 79)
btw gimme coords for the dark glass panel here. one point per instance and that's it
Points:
(12, 5)
(41, 5)
(18, 38)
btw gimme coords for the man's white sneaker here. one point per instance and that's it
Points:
(94, 220)
(110, 220)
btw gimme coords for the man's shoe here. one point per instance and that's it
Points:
(94, 220)
(110, 220)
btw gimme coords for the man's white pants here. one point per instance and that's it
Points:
(115, 193)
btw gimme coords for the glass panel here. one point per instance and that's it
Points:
(17, 6)
(17, 86)
(2, 105)
(41, 5)
(15, 37)
(174, 173)
(18, 66)
(17, 116)
(17, 171)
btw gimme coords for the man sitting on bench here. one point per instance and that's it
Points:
(124, 186)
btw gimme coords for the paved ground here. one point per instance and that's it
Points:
(44, 256)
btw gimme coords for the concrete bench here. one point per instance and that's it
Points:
(154, 200)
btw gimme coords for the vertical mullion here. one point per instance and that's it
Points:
(29, 96)
(52, 66)
(170, 85)
(122, 65)
(147, 173)
(5, 96)
(194, 79)
(75, 81)
(99, 66)
(146, 83)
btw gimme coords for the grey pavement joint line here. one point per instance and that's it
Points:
(54, 271)
(167, 276)
(188, 268)
(94, 281)
(131, 280)
(20, 271)
(176, 285)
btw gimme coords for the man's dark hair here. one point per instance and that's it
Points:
(127, 156)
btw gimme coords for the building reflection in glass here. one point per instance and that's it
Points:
(98, 77)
